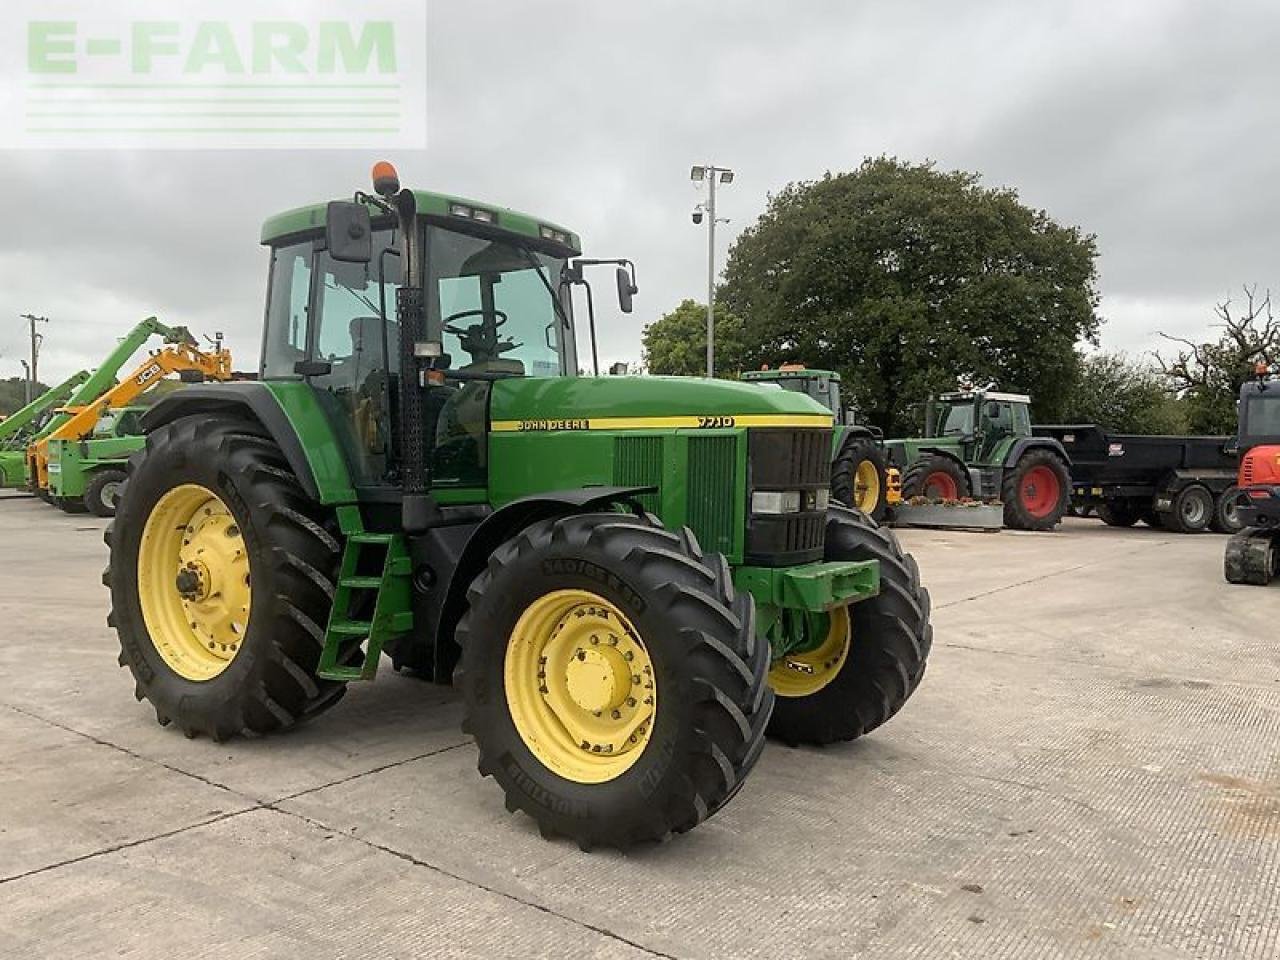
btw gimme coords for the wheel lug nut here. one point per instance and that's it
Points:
(616, 714)
(628, 655)
(582, 654)
(631, 701)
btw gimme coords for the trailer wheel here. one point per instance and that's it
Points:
(1035, 491)
(1192, 510)
(101, 492)
(222, 576)
(873, 655)
(1118, 513)
(613, 678)
(859, 477)
(936, 478)
(1225, 517)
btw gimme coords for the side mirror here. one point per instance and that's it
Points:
(626, 290)
(348, 232)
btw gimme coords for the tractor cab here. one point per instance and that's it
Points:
(821, 385)
(982, 422)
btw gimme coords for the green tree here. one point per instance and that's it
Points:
(13, 394)
(1125, 396)
(903, 278)
(1208, 375)
(676, 343)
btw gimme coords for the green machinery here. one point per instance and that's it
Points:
(91, 471)
(87, 391)
(20, 427)
(860, 474)
(979, 443)
(629, 579)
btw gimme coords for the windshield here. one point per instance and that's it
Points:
(955, 419)
(494, 301)
(1261, 416)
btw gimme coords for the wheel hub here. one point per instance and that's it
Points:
(825, 641)
(580, 686)
(194, 582)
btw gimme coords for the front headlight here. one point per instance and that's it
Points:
(776, 501)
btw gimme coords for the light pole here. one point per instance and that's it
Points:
(36, 338)
(710, 172)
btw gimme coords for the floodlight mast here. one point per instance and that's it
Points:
(711, 173)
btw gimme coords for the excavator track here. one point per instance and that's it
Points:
(1251, 556)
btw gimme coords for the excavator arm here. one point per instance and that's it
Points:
(15, 425)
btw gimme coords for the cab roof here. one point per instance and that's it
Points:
(986, 395)
(790, 374)
(308, 219)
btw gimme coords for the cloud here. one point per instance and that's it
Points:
(1151, 124)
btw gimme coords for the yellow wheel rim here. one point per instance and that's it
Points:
(193, 582)
(804, 674)
(580, 686)
(866, 487)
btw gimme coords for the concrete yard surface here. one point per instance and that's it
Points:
(1091, 768)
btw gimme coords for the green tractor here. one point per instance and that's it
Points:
(978, 443)
(90, 472)
(619, 574)
(860, 474)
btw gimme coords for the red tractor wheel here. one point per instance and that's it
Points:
(935, 478)
(1035, 491)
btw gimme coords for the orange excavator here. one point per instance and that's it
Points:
(1253, 554)
(181, 355)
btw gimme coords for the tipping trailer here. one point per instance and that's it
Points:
(1183, 484)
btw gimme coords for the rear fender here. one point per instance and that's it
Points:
(289, 413)
(1023, 444)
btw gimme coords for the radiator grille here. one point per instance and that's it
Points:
(637, 462)
(712, 482)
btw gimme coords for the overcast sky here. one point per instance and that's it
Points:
(1153, 125)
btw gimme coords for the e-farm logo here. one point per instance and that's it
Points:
(268, 73)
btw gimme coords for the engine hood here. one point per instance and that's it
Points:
(580, 403)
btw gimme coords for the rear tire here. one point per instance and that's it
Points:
(102, 491)
(1035, 492)
(1225, 519)
(1192, 510)
(850, 476)
(269, 683)
(890, 643)
(698, 634)
(1118, 513)
(935, 478)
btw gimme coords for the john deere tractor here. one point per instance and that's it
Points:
(860, 475)
(619, 574)
(978, 443)
(1253, 554)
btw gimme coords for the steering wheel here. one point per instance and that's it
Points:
(501, 319)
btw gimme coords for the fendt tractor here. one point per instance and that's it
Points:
(978, 443)
(1253, 554)
(860, 474)
(618, 573)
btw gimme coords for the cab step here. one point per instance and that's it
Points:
(385, 599)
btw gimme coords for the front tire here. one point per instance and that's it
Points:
(935, 478)
(887, 647)
(587, 748)
(222, 575)
(1035, 491)
(859, 477)
(102, 491)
